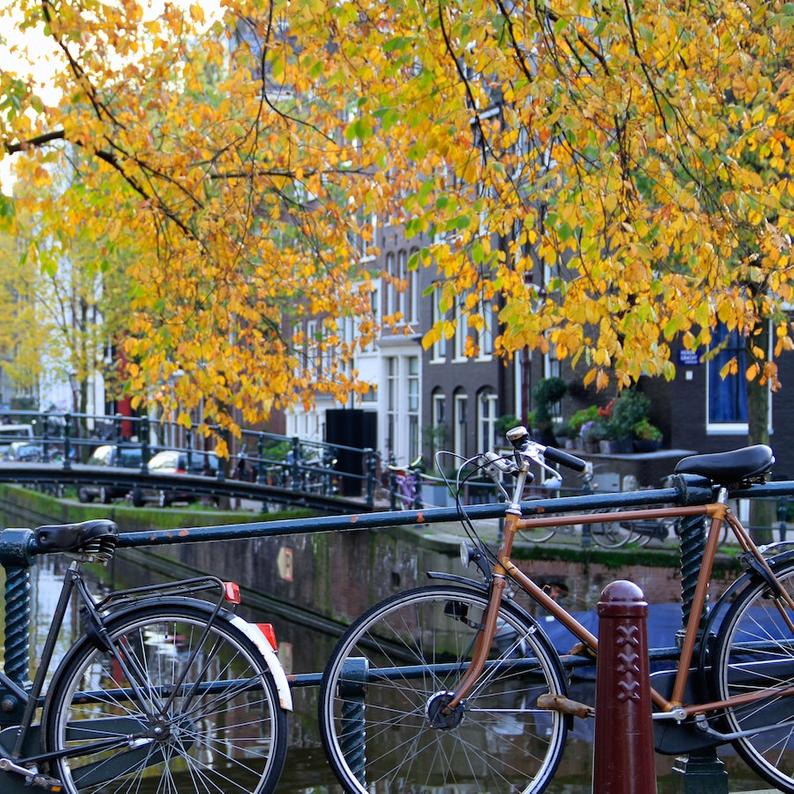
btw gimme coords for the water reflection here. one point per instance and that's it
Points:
(306, 651)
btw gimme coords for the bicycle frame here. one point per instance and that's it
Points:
(504, 568)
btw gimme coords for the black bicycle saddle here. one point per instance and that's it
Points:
(738, 465)
(75, 537)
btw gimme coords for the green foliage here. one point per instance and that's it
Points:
(629, 409)
(504, 423)
(645, 431)
(580, 417)
(545, 393)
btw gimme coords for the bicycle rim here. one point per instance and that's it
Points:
(611, 534)
(230, 736)
(416, 646)
(755, 651)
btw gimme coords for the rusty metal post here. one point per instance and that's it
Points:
(624, 754)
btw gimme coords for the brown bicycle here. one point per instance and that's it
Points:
(455, 687)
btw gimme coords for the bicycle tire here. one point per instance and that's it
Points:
(206, 745)
(503, 741)
(611, 534)
(755, 649)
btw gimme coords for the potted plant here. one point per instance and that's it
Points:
(647, 437)
(627, 410)
(593, 433)
(580, 417)
(504, 423)
(565, 435)
(546, 392)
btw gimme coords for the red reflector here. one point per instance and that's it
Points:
(181, 471)
(231, 592)
(270, 634)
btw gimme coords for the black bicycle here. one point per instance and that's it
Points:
(163, 691)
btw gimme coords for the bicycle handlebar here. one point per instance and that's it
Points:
(564, 459)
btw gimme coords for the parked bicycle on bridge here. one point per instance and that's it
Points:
(162, 691)
(455, 684)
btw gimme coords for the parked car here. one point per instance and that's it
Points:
(10, 434)
(124, 455)
(171, 461)
(25, 452)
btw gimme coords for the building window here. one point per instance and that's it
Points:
(439, 351)
(391, 403)
(727, 397)
(460, 424)
(486, 420)
(413, 408)
(439, 419)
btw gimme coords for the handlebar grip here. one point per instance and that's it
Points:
(564, 459)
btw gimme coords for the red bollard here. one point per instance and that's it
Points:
(624, 761)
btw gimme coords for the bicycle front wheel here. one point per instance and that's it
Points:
(390, 674)
(611, 534)
(754, 652)
(226, 734)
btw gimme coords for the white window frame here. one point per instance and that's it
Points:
(438, 353)
(461, 332)
(486, 439)
(485, 352)
(460, 429)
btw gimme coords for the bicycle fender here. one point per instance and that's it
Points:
(474, 584)
(252, 631)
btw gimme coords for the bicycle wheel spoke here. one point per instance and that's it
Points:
(475, 745)
(228, 738)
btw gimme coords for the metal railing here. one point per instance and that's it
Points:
(18, 551)
(267, 459)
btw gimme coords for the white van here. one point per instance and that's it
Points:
(11, 433)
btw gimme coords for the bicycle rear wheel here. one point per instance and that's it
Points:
(229, 736)
(390, 673)
(755, 651)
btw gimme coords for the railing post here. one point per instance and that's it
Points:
(261, 470)
(45, 446)
(296, 457)
(189, 448)
(353, 736)
(392, 484)
(16, 559)
(418, 502)
(370, 461)
(144, 439)
(624, 761)
(701, 771)
(223, 463)
(67, 442)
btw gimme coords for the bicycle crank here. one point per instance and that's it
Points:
(32, 776)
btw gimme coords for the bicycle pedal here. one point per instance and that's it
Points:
(46, 783)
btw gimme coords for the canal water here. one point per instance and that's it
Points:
(305, 649)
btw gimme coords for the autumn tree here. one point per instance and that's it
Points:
(618, 175)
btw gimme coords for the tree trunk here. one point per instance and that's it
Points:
(763, 512)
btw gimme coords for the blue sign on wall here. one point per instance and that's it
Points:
(688, 358)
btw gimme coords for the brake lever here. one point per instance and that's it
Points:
(495, 465)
